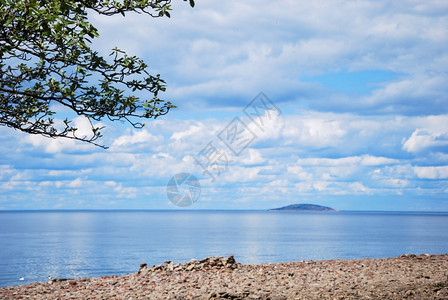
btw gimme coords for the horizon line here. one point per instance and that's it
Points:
(198, 210)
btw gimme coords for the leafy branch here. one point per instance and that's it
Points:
(46, 60)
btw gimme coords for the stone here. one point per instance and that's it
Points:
(391, 278)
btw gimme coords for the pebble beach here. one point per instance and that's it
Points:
(404, 277)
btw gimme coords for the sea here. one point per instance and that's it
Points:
(73, 244)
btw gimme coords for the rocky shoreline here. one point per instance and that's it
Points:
(404, 277)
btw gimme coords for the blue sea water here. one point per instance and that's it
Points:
(74, 244)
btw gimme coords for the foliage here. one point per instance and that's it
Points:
(46, 60)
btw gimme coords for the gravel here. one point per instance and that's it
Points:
(404, 277)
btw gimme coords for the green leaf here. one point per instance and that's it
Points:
(192, 3)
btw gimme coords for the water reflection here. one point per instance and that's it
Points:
(74, 244)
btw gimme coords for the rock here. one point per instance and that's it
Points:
(53, 280)
(72, 282)
(194, 264)
(189, 267)
(215, 278)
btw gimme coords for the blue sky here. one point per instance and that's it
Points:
(361, 119)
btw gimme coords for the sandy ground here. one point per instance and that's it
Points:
(403, 277)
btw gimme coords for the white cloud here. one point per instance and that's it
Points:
(136, 137)
(369, 160)
(126, 192)
(238, 174)
(439, 172)
(313, 131)
(10, 185)
(193, 129)
(251, 157)
(76, 183)
(299, 173)
(396, 183)
(358, 187)
(422, 139)
(56, 184)
(280, 186)
(344, 161)
(322, 186)
(110, 183)
(63, 173)
(431, 133)
(396, 171)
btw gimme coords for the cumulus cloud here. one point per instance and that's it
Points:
(252, 157)
(422, 139)
(263, 46)
(136, 137)
(433, 172)
(362, 107)
(193, 129)
(431, 135)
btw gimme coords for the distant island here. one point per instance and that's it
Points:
(305, 207)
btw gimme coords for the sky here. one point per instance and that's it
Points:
(338, 103)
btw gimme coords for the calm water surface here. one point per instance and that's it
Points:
(75, 244)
